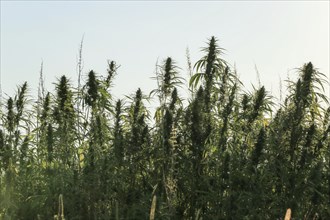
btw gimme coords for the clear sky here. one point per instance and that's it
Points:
(277, 37)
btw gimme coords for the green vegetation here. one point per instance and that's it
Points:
(225, 154)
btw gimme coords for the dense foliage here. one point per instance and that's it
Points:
(221, 154)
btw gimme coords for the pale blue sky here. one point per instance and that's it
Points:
(276, 36)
